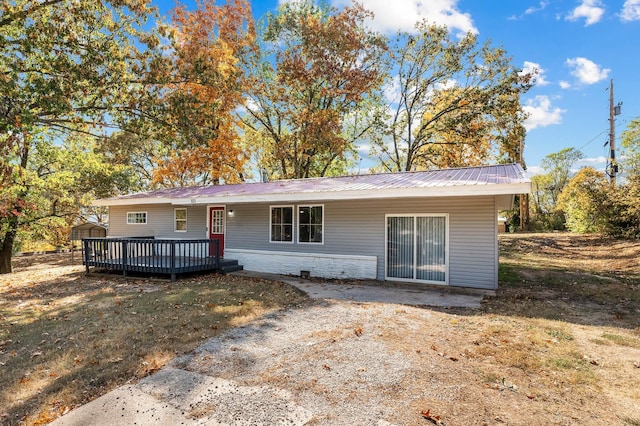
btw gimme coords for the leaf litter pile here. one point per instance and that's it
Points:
(558, 344)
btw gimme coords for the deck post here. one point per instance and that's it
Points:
(173, 261)
(217, 248)
(85, 245)
(124, 257)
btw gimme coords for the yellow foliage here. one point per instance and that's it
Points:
(207, 87)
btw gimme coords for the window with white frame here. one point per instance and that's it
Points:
(180, 219)
(310, 224)
(281, 223)
(136, 218)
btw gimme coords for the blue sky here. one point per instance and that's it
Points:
(578, 46)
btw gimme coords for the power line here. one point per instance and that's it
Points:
(596, 137)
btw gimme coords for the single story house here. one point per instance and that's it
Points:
(436, 227)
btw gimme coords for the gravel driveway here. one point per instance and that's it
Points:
(331, 359)
(331, 363)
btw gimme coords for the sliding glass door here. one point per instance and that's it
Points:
(417, 248)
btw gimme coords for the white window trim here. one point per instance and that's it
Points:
(415, 242)
(298, 225)
(293, 224)
(146, 218)
(206, 231)
(185, 220)
(224, 221)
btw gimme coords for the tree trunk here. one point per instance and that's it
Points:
(524, 212)
(6, 251)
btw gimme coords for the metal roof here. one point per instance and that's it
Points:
(87, 229)
(495, 179)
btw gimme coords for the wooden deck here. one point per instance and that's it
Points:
(170, 257)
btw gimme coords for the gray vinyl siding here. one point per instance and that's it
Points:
(358, 228)
(160, 222)
(350, 228)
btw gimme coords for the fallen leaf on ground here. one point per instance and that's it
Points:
(436, 420)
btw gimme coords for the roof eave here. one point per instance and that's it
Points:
(104, 202)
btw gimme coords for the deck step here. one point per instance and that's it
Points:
(229, 265)
(225, 269)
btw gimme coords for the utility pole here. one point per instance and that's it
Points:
(613, 111)
(524, 198)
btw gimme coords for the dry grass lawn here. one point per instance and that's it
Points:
(558, 344)
(66, 339)
(565, 326)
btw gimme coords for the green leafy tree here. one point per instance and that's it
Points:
(447, 96)
(315, 69)
(66, 67)
(631, 148)
(56, 184)
(136, 151)
(547, 187)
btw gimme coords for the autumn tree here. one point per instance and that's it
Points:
(448, 101)
(591, 204)
(200, 83)
(586, 203)
(444, 150)
(626, 222)
(315, 70)
(66, 67)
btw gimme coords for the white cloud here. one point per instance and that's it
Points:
(363, 149)
(590, 10)
(449, 84)
(534, 9)
(392, 90)
(586, 71)
(530, 11)
(251, 104)
(534, 170)
(391, 16)
(564, 84)
(536, 72)
(541, 113)
(630, 11)
(592, 160)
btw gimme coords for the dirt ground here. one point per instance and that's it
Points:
(559, 344)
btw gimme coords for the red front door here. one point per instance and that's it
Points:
(216, 227)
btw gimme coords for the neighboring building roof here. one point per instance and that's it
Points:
(504, 179)
(88, 229)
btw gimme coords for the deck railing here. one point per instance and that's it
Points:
(151, 255)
